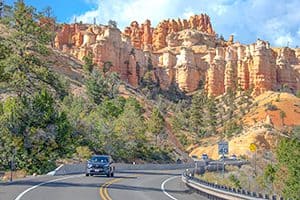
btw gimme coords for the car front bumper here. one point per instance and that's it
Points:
(98, 171)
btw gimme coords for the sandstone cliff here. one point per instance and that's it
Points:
(186, 53)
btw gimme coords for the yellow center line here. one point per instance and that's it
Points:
(103, 189)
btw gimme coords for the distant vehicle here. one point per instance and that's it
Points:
(194, 157)
(221, 157)
(100, 165)
(204, 156)
(233, 157)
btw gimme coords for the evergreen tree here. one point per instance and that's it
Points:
(89, 65)
(211, 115)
(23, 67)
(197, 116)
(36, 130)
(130, 129)
(155, 123)
(288, 155)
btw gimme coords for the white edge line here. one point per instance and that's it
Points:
(36, 186)
(163, 187)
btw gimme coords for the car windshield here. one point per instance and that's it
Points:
(100, 159)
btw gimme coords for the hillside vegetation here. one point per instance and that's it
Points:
(41, 120)
(56, 109)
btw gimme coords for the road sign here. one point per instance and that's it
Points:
(223, 147)
(252, 147)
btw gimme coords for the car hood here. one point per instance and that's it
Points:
(98, 164)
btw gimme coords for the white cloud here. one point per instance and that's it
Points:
(284, 40)
(220, 9)
(187, 13)
(126, 11)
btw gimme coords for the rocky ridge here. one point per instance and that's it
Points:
(184, 52)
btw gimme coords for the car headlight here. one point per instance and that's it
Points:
(89, 165)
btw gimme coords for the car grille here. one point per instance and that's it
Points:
(97, 166)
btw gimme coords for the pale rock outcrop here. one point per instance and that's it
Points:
(159, 35)
(186, 53)
(187, 73)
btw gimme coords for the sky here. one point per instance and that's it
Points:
(277, 21)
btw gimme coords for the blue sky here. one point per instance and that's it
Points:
(277, 21)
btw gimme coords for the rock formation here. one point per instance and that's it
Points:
(142, 37)
(186, 53)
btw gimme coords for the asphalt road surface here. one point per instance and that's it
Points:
(129, 185)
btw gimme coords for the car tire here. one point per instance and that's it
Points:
(87, 174)
(92, 174)
(108, 175)
(112, 174)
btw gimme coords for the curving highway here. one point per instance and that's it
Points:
(148, 185)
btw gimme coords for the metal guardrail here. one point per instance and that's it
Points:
(215, 191)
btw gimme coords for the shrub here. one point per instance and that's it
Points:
(271, 107)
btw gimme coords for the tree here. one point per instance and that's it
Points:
(155, 124)
(211, 115)
(100, 87)
(1, 8)
(89, 65)
(130, 129)
(288, 156)
(23, 66)
(36, 130)
(282, 116)
(197, 112)
(112, 23)
(298, 93)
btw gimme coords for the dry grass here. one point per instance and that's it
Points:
(256, 129)
(16, 175)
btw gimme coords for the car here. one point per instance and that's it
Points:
(100, 165)
(223, 158)
(233, 157)
(194, 157)
(204, 156)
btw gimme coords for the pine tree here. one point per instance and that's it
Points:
(89, 65)
(211, 115)
(1, 8)
(23, 67)
(155, 124)
(197, 116)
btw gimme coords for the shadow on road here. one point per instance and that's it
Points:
(159, 173)
(151, 189)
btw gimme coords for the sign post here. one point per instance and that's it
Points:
(223, 149)
(253, 148)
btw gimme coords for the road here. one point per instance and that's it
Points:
(131, 185)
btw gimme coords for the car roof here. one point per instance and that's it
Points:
(101, 156)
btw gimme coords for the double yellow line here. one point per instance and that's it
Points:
(103, 189)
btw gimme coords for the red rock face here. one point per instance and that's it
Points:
(148, 36)
(185, 53)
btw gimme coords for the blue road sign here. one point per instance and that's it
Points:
(223, 147)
